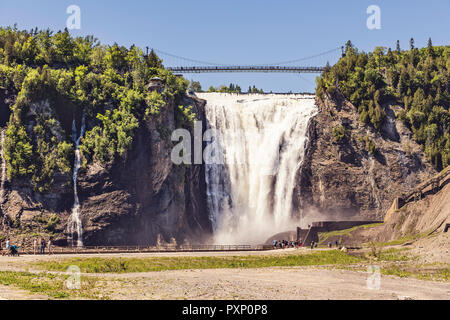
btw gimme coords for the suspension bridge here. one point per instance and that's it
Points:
(295, 69)
(196, 66)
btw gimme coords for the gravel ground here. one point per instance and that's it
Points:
(297, 283)
(262, 283)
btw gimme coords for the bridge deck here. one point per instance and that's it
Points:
(296, 69)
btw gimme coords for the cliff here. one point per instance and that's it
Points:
(419, 225)
(147, 195)
(350, 170)
(139, 199)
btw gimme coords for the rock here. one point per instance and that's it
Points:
(342, 180)
(128, 202)
(146, 195)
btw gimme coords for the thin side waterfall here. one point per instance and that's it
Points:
(2, 183)
(262, 138)
(75, 225)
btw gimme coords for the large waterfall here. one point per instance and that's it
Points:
(262, 139)
(75, 226)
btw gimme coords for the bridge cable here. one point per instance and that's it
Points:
(266, 64)
(306, 58)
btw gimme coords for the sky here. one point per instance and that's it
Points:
(242, 32)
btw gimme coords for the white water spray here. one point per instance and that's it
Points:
(75, 225)
(263, 139)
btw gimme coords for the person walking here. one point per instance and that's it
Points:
(34, 246)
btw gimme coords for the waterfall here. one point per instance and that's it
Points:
(2, 184)
(262, 138)
(75, 226)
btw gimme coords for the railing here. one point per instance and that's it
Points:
(434, 182)
(143, 249)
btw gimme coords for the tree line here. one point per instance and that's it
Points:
(416, 80)
(195, 86)
(55, 76)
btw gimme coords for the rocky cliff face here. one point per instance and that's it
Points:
(351, 172)
(344, 177)
(140, 199)
(146, 196)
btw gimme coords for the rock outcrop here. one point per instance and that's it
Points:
(140, 199)
(147, 196)
(355, 173)
(419, 225)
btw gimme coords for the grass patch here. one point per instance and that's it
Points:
(390, 255)
(324, 236)
(403, 240)
(49, 284)
(396, 271)
(124, 265)
(440, 274)
(393, 254)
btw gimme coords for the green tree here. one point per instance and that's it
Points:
(153, 60)
(18, 152)
(195, 86)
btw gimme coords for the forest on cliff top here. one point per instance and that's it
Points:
(54, 76)
(417, 80)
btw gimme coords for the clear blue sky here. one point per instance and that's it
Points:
(242, 31)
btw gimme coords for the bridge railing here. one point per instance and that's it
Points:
(143, 249)
(297, 69)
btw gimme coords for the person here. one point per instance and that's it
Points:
(274, 244)
(312, 244)
(49, 245)
(34, 246)
(42, 246)
(14, 250)
(336, 243)
(7, 244)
